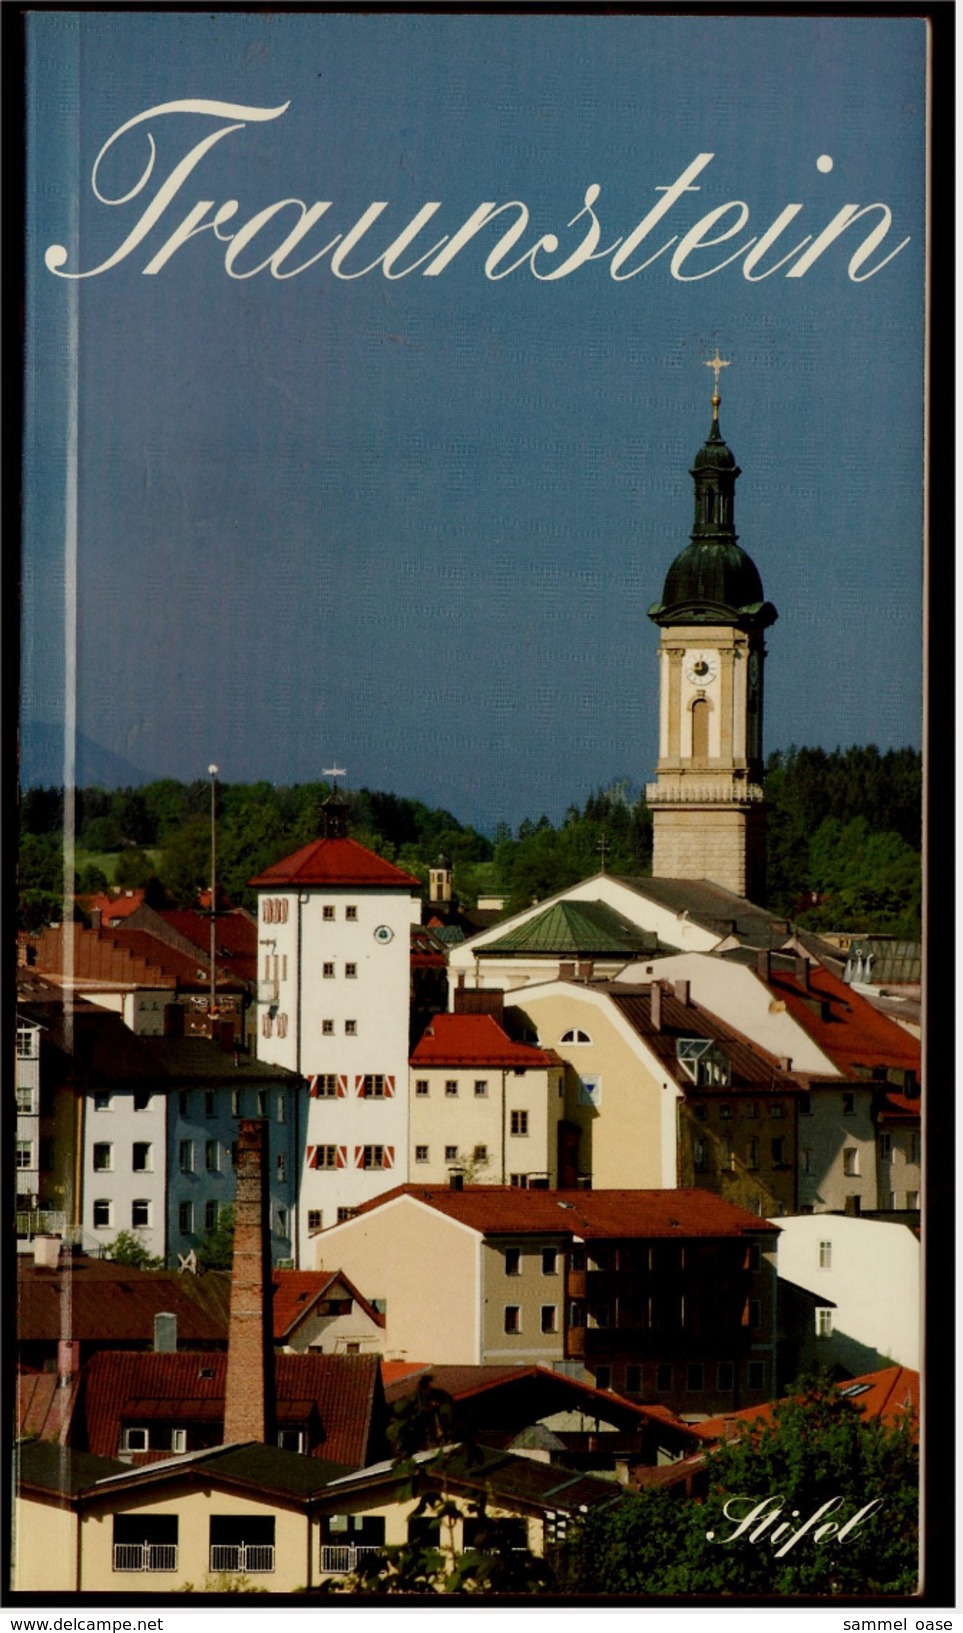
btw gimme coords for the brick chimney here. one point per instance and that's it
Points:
(682, 990)
(249, 1392)
(480, 1001)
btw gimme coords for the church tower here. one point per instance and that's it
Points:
(707, 802)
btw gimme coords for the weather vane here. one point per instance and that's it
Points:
(716, 364)
(334, 771)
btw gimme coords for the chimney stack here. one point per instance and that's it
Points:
(566, 969)
(682, 990)
(655, 1006)
(764, 964)
(585, 968)
(249, 1392)
(173, 1021)
(165, 1333)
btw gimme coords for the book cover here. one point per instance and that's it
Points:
(366, 361)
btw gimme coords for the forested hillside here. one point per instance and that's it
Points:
(844, 840)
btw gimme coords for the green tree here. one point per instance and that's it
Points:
(129, 1248)
(215, 1250)
(816, 1453)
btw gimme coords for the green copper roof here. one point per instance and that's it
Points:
(574, 929)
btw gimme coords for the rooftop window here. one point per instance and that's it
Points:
(704, 1062)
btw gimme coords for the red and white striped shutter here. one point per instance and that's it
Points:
(389, 1088)
(389, 1156)
(342, 1156)
(312, 1156)
(342, 1087)
(359, 1086)
(313, 1087)
(359, 1156)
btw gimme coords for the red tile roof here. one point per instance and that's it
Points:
(296, 1292)
(44, 1406)
(844, 1025)
(752, 1067)
(335, 862)
(119, 957)
(892, 1395)
(112, 907)
(235, 935)
(474, 1040)
(342, 1389)
(500, 1210)
(105, 1303)
(552, 1390)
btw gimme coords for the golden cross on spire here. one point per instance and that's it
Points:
(716, 363)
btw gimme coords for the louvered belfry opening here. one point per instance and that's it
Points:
(249, 1394)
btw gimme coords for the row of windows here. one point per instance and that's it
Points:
(697, 1377)
(188, 1099)
(367, 1085)
(365, 1156)
(668, 1311)
(186, 1215)
(751, 1110)
(141, 1213)
(329, 971)
(141, 1157)
(548, 1318)
(479, 1154)
(212, 1158)
(452, 1087)
(777, 1151)
(549, 1261)
(350, 1029)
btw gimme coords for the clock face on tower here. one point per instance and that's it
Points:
(701, 668)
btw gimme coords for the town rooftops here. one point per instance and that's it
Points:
(714, 908)
(100, 1047)
(122, 1387)
(854, 1035)
(328, 863)
(679, 1019)
(475, 1040)
(497, 1210)
(506, 1479)
(118, 958)
(296, 1294)
(892, 1395)
(97, 1301)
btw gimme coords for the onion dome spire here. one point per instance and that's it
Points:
(713, 581)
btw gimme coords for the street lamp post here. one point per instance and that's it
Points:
(212, 773)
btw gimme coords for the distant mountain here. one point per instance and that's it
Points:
(42, 760)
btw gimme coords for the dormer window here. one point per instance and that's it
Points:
(704, 1063)
(575, 1035)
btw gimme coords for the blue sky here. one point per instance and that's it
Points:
(413, 526)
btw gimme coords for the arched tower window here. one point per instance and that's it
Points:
(710, 504)
(700, 729)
